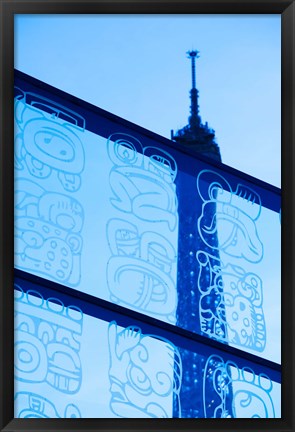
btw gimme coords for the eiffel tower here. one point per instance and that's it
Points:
(201, 139)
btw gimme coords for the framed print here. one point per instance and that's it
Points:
(146, 258)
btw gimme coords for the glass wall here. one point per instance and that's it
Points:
(70, 364)
(110, 212)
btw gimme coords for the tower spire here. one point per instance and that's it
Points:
(196, 135)
(193, 55)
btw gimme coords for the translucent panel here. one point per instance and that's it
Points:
(69, 364)
(47, 342)
(60, 371)
(96, 214)
(49, 162)
(239, 267)
(142, 228)
(122, 216)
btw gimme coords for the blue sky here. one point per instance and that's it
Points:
(135, 66)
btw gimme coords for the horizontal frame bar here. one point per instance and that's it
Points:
(125, 317)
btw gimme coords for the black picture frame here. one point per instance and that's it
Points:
(11, 7)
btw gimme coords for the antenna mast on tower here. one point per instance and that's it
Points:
(196, 135)
(193, 55)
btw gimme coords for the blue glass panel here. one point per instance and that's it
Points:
(145, 374)
(115, 211)
(239, 266)
(60, 372)
(69, 364)
(47, 347)
(118, 242)
(142, 229)
(49, 160)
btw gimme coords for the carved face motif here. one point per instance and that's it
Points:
(46, 342)
(47, 232)
(229, 215)
(141, 374)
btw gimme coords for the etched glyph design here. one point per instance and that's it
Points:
(48, 228)
(145, 374)
(47, 140)
(142, 180)
(32, 405)
(231, 299)
(47, 342)
(140, 271)
(250, 393)
(232, 215)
